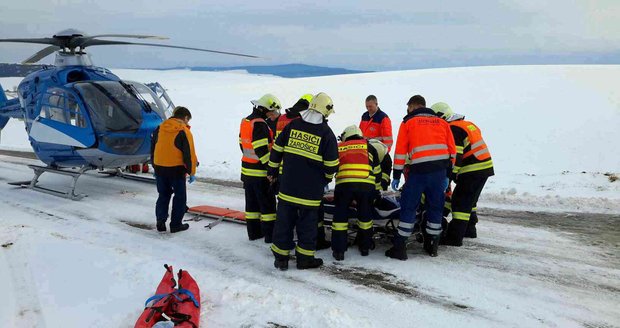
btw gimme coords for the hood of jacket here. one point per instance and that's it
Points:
(172, 125)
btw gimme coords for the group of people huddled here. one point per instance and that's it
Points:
(295, 155)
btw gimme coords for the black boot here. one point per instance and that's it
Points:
(399, 250)
(455, 233)
(181, 227)
(323, 244)
(397, 253)
(338, 256)
(431, 244)
(267, 229)
(254, 229)
(308, 262)
(161, 226)
(364, 252)
(281, 264)
(471, 227)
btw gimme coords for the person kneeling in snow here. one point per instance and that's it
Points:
(173, 156)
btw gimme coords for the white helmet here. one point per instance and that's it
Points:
(269, 102)
(323, 104)
(350, 131)
(380, 147)
(443, 110)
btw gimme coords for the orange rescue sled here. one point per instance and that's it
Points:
(217, 213)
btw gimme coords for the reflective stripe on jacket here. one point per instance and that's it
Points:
(425, 141)
(255, 140)
(355, 162)
(472, 152)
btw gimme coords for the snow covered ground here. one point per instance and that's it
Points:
(92, 263)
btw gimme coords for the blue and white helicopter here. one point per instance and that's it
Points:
(84, 117)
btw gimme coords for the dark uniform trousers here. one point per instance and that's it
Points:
(464, 200)
(363, 194)
(260, 209)
(166, 187)
(304, 219)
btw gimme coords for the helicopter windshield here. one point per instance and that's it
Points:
(111, 105)
(150, 98)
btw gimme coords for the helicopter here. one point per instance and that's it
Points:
(81, 117)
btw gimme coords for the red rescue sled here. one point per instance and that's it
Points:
(179, 305)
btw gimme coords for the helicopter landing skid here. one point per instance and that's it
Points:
(130, 176)
(39, 170)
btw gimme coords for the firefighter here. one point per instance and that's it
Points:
(293, 113)
(385, 161)
(283, 120)
(470, 172)
(427, 140)
(255, 139)
(376, 124)
(308, 152)
(174, 157)
(359, 171)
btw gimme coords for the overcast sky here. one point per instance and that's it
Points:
(367, 35)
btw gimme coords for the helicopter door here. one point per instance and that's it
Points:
(62, 120)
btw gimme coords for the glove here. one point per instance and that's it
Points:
(326, 189)
(191, 179)
(395, 184)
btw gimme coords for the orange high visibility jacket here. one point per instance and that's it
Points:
(255, 147)
(472, 153)
(355, 162)
(283, 121)
(166, 150)
(379, 127)
(425, 142)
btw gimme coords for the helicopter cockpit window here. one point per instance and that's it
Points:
(111, 105)
(151, 98)
(62, 107)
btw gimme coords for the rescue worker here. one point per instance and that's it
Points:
(376, 124)
(293, 113)
(427, 140)
(255, 139)
(470, 172)
(359, 171)
(385, 161)
(308, 152)
(173, 157)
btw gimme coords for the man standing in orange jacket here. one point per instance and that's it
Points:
(376, 124)
(174, 157)
(426, 140)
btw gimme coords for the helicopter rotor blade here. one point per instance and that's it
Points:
(50, 41)
(134, 36)
(40, 55)
(95, 42)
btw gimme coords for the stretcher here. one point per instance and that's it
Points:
(385, 214)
